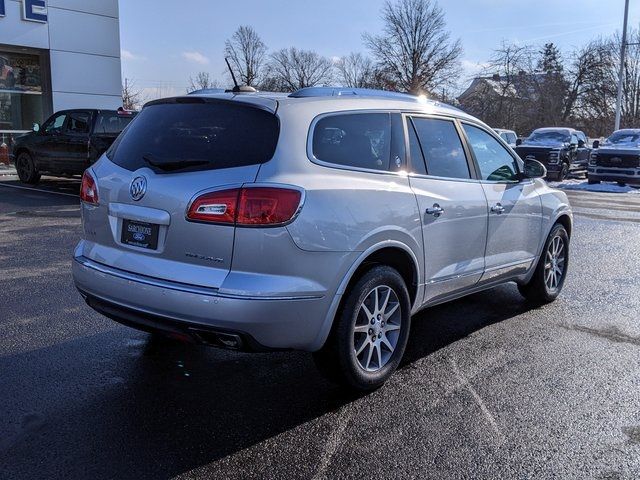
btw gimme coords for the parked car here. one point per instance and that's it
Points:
(319, 221)
(617, 159)
(7, 75)
(509, 136)
(67, 143)
(561, 150)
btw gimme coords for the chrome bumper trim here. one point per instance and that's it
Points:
(181, 287)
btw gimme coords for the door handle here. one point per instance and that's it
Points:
(498, 209)
(436, 210)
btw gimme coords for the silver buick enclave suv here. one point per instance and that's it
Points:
(319, 221)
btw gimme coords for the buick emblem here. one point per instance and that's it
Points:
(138, 188)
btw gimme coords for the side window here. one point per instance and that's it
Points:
(78, 123)
(441, 147)
(495, 162)
(511, 138)
(415, 152)
(359, 140)
(574, 139)
(55, 124)
(112, 123)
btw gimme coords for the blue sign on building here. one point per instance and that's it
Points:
(32, 10)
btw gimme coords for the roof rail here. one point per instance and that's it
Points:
(357, 92)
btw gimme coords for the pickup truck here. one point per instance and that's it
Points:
(617, 159)
(67, 143)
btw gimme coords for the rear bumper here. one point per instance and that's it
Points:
(201, 313)
(613, 174)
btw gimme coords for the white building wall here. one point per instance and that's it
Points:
(83, 37)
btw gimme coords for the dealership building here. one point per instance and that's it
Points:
(56, 55)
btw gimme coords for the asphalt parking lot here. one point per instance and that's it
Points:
(491, 387)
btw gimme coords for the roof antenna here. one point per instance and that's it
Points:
(235, 82)
(237, 88)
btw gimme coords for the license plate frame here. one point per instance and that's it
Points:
(140, 234)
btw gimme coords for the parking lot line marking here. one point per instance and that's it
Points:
(483, 407)
(39, 190)
(331, 447)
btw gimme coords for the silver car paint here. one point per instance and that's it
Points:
(283, 285)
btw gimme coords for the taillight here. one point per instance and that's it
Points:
(88, 189)
(257, 206)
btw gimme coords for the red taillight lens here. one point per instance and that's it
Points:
(215, 207)
(246, 206)
(88, 189)
(267, 206)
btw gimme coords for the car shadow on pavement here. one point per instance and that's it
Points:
(121, 404)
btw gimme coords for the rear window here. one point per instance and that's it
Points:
(360, 140)
(198, 135)
(112, 123)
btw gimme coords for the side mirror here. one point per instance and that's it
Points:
(518, 142)
(534, 169)
(596, 144)
(573, 146)
(580, 143)
(36, 127)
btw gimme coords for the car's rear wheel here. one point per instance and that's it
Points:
(548, 279)
(26, 168)
(370, 332)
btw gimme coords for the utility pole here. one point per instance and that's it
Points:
(623, 52)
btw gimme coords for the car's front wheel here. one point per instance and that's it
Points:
(370, 332)
(26, 168)
(551, 271)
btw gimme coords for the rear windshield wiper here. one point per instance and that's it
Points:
(173, 164)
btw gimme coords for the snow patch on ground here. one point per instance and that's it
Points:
(605, 187)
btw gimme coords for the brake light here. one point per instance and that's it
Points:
(88, 189)
(258, 206)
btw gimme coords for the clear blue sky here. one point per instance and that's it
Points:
(164, 42)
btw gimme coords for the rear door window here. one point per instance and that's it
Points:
(112, 123)
(78, 123)
(196, 134)
(360, 140)
(441, 148)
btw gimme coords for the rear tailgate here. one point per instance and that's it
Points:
(154, 170)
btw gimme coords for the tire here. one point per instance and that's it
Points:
(539, 290)
(564, 173)
(621, 184)
(593, 182)
(26, 168)
(339, 360)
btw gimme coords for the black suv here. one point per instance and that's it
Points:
(561, 150)
(617, 160)
(67, 143)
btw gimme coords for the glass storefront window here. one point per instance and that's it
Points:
(21, 100)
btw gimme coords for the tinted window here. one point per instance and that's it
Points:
(442, 148)
(494, 160)
(79, 123)
(356, 140)
(112, 123)
(417, 159)
(55, 124)
(196, 135)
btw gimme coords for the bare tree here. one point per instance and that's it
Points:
(131, 95)
(247, 54)
(356, 71)
(292, 69)
(201, 81)
(415, 51)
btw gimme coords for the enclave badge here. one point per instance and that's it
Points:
(138, 188)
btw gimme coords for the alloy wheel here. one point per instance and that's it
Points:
(377, 328)
(555, 260)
